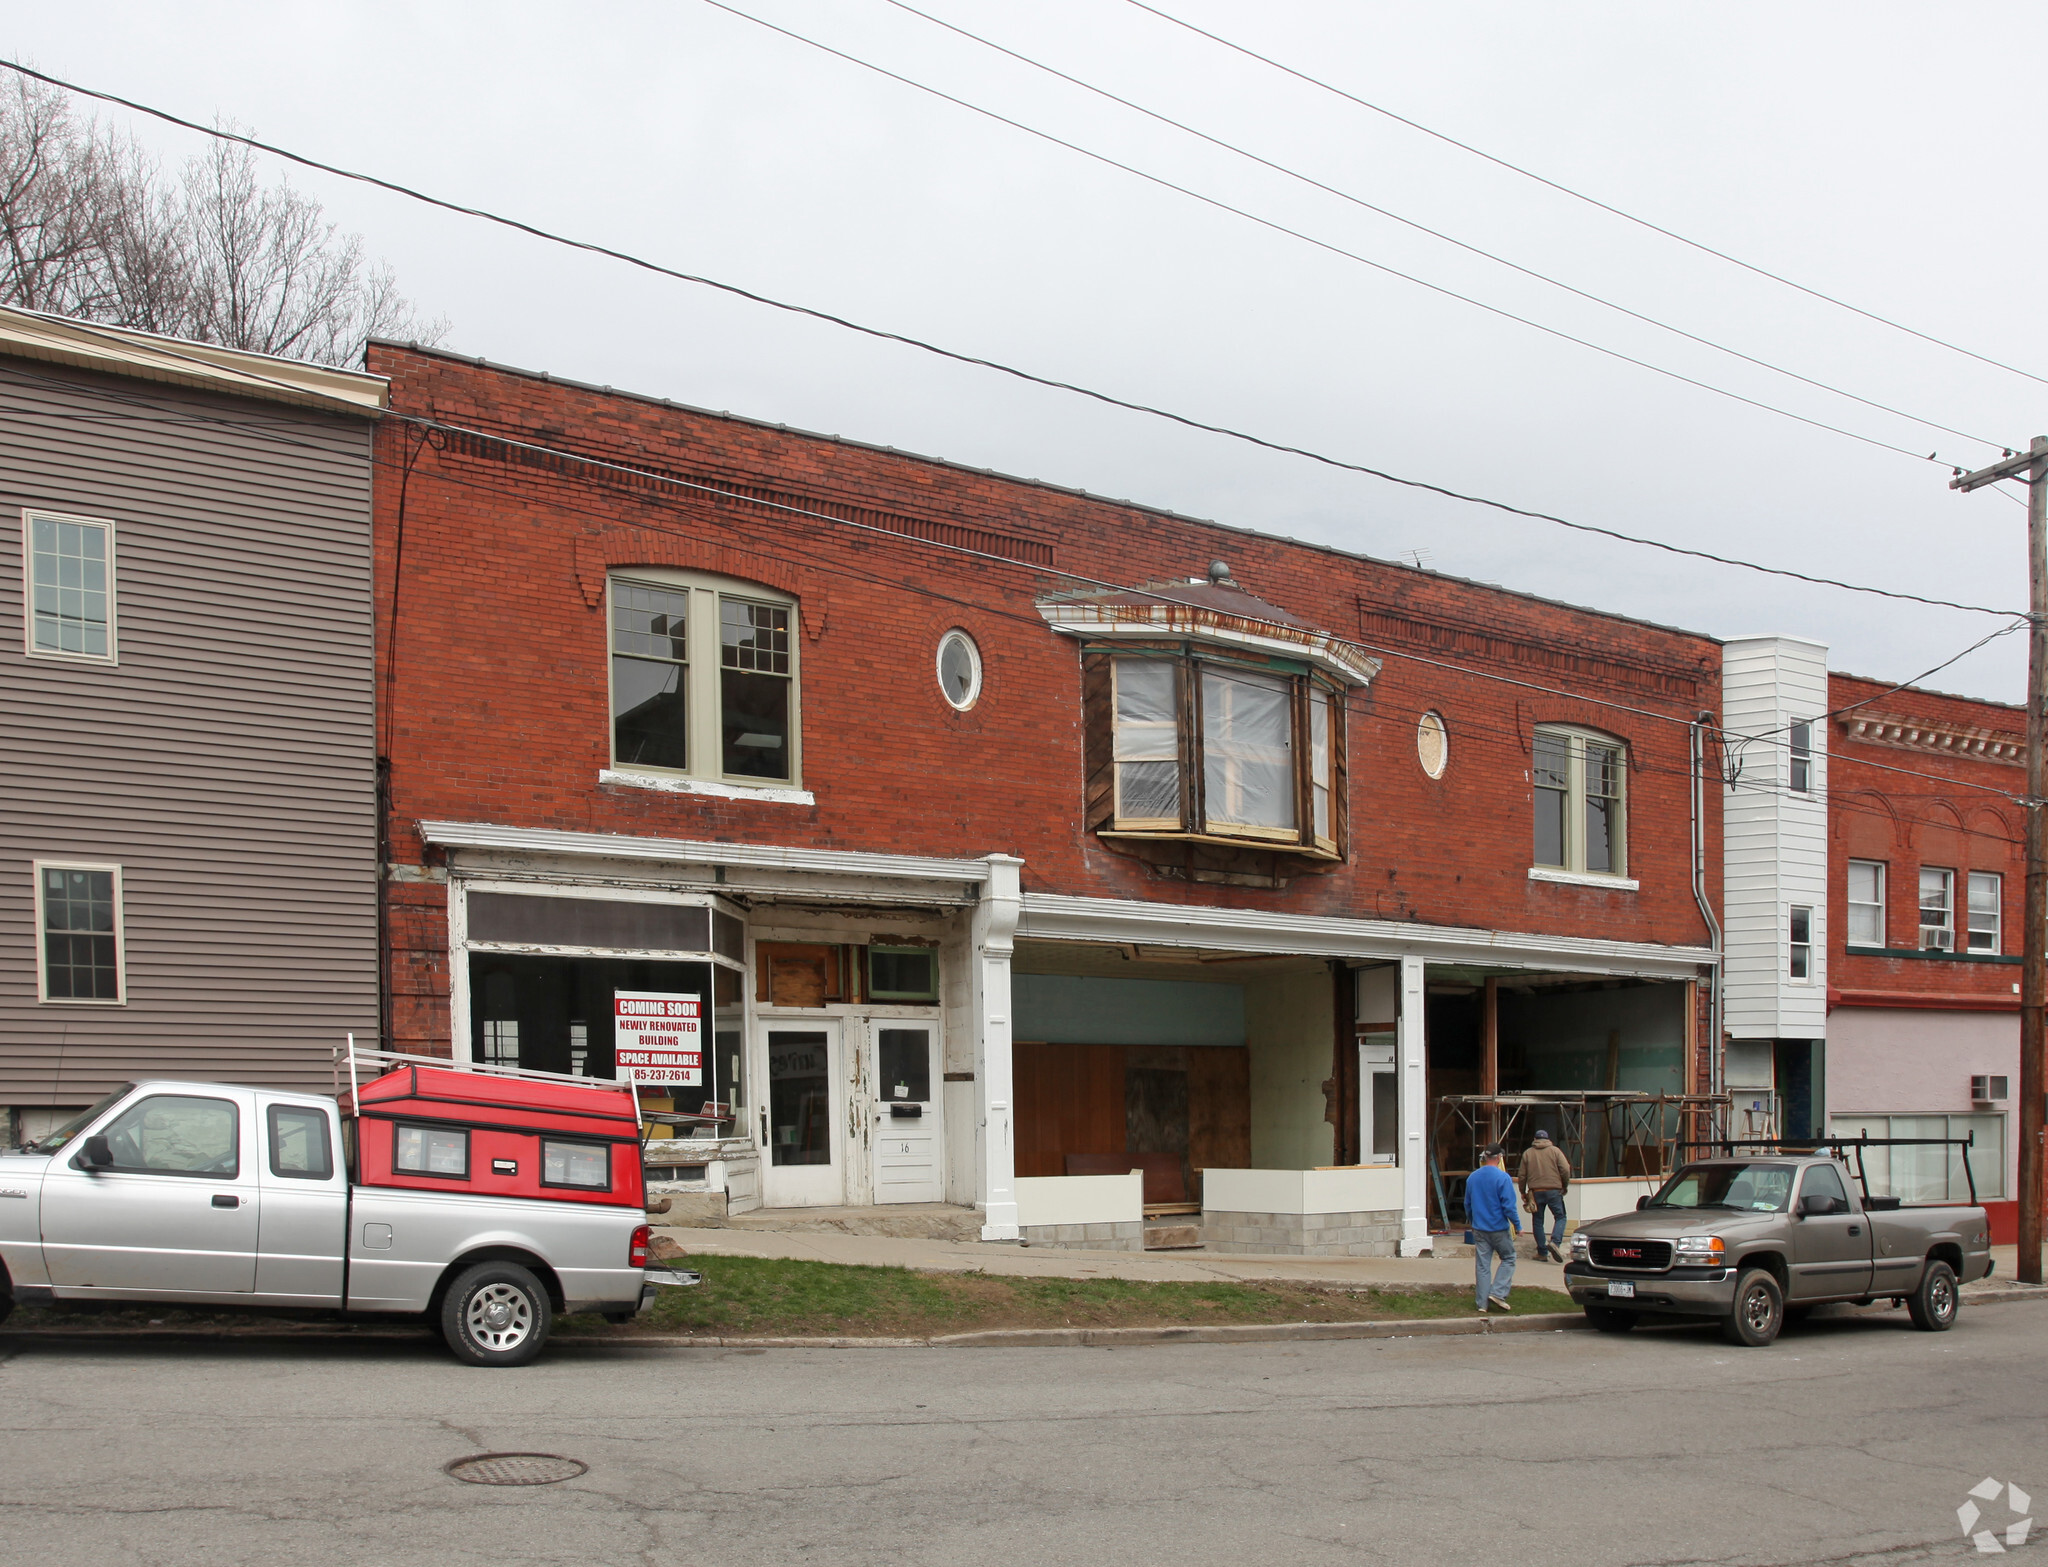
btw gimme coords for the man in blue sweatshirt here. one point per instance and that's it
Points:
(1491, 1207)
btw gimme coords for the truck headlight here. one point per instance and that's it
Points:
(1702, 1251)
(1582, 1248)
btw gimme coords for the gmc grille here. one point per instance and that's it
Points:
(1640, 1256)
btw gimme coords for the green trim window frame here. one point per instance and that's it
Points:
(81, 940)
(1225, 750)
(703, 679)
(1579, 781)
(68, 587)
(903, 973)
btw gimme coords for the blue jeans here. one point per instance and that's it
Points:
(1487, 1245)
(1553, 1203)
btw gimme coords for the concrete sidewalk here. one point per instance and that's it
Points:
(1053, 1262)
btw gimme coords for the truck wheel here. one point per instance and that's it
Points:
(496, 1314)
(6, 1306)
(1609, 1320)
(1759, 1310)
(1933, 1305)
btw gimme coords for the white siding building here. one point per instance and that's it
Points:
(1775, 697)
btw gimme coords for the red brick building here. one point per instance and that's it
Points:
(1925, 897)
(1005, 834)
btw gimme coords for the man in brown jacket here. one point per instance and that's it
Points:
(1546, 1175)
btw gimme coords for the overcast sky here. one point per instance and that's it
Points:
(1877, 152)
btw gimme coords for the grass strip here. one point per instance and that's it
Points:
(762, 1297)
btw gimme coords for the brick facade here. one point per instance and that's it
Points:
(492, 562)
(1918, 778)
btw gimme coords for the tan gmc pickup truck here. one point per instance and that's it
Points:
(1752, 1238)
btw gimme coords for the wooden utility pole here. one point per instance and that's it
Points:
(2032, 468)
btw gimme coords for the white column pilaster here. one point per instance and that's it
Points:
(994, 927)
(1411, 1039)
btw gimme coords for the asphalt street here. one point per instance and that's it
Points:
(1850, 1440)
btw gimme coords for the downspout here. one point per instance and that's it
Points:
(1716, 1066)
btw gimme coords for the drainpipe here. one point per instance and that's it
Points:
(1716, 1065)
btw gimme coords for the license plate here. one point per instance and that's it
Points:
(1617, 1290)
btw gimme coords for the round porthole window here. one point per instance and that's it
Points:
(959, 669)
(1432, 744)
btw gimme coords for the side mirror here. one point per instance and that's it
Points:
(97, 1155)
(1642, 1202)
(1815, 1204)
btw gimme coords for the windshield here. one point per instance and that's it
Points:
(1745, 1188)
(50, 1142)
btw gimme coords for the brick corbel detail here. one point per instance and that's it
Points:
(600, 554)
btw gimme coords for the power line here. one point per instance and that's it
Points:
(1322, 244)
(781, 549)
(1592, 201)
(880, 334)
(1438, 234)
(609, 465)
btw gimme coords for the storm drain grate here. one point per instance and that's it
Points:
(516, 1469)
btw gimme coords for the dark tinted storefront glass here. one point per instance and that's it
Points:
(590, 922)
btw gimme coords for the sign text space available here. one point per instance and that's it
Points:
(658, 1037)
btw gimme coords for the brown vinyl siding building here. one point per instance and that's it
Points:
(187, 753)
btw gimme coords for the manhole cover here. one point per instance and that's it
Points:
(516, 1469)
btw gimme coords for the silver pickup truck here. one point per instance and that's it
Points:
(209, 1194)
(1754, 1238)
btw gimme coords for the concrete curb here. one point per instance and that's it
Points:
(998, 1338)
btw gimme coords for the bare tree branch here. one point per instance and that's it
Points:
(90, 227)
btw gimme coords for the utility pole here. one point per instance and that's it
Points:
(2033, 469)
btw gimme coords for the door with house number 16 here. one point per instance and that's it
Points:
(908, 1146)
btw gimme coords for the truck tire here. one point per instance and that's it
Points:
(1759, 1310)
(1933, 1305)
(496, 1314)
(6, 1306)
(1609, 1320)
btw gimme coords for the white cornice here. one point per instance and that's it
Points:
(1057, 917)
(1090, 617)
(617, 846)
(1913, 734)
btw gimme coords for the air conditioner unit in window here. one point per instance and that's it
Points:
(1986, 1089)
(1937, 938)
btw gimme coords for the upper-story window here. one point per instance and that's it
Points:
(1802, 758)
(1213, 748)
(1581, 789)
(1866, 903)
(1937, 909)
(69, 586)
(1800, 965)
(1214, 724)
(703, 679)
(1987, 893)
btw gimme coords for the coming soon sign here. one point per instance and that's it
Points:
(659, 1037)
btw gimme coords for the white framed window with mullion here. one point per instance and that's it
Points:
(68, 587)
(81, 938)
(703, 680)
(1866, 903)
(1580, 784)
(1987, 911)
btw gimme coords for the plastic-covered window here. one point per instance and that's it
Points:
(1147, 743)
(1248, 749)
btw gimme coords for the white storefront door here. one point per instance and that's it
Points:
(909, 1143)
(805, 1160)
